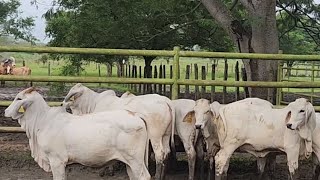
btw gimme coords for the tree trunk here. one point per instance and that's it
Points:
(148, 60)
(109, 69)
(261, 37)
(148, 70)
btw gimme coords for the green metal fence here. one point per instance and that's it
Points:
(176, 53)
(293, 74)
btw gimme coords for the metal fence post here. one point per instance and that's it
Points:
(175, 75)
(312, 80)
(280, 76)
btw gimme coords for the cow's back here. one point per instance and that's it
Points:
(21, 71)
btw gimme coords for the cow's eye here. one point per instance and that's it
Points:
(302, 111)
(19, 99)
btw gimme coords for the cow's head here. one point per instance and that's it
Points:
(22, 102)
(8, 67)
(200, 114)
(300, 114)
(302, 118)
(75, 92)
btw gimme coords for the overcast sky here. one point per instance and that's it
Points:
(43, 5)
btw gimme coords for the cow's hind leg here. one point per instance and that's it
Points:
(166, 148)
(261, 163)
(159, 156)
(191, 153)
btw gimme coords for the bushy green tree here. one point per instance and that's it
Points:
(141, 24)
(11, 24)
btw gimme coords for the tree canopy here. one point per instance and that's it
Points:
(11, 24)
(142, 24)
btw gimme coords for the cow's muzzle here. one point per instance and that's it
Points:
(198, 126)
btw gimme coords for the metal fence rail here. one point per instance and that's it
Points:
(176, 53)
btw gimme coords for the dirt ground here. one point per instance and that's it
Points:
(17, 164)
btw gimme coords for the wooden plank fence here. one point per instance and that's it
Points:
(160, 71)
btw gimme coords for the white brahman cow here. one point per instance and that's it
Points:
(260, 131)
(57, 138)
(316, 148)
(158, 113)
(200, 117)
(190, 136)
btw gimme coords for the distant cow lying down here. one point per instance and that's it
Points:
(57, 138)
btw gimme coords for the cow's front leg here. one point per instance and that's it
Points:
(222, 160)
(293, 163)
(58, 170)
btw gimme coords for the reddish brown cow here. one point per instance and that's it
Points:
(19, 71)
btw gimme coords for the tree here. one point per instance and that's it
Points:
(252, 26)
(141, 24)
(12, 24)
(44, 59)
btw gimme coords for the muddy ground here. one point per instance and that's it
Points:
(17, 164)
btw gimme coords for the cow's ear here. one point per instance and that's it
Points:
(288, 116)
(189, 117)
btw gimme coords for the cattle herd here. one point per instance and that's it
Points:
(103, 127)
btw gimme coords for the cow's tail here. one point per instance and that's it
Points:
(146, 154)
(173, 122)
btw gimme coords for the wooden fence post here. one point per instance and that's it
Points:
(187, 92)
(196, 93)
(155, 75)
(171, 76)
(244, 78)
(49, 69)
(135, 76)
(164, 77)
(225, 78)
(132, 75)
(99, 72)
(213, 77)
(203, 74)
(129, 73)
(160, 77)
(140, 76)
(236, 71)
(175, 75)
(126, 70)
(144, 76)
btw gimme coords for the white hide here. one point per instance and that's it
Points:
(156, 110)
(57, 138)
(263, 130)
(127, 94)
(187, 111)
